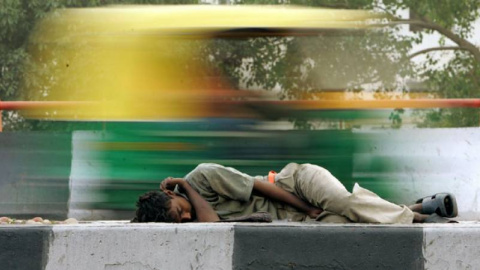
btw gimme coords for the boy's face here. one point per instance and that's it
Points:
(180, 208)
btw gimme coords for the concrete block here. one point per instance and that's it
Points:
(24, 247)
(327, 247)
(238, 246)
(141, 246)
(451, 246)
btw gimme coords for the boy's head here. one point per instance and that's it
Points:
(163, 206)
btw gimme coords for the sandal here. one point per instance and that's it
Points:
(443, 204)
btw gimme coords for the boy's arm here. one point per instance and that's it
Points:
(203, 209)
(271, 191)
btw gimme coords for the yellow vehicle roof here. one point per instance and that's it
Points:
(209, 19)
(128, 59)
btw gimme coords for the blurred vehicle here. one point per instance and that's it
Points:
(163, 88)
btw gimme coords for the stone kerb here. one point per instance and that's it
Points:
(121, 245)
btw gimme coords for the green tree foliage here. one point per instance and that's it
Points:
(454, 78)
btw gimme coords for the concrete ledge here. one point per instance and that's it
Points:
(451, 248)
(120, 245)
(339, 247)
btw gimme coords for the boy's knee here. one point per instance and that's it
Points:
(312, 171)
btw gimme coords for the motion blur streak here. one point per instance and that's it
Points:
(143, 81)
(140, 63)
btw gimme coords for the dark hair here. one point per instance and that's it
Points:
(153, 206)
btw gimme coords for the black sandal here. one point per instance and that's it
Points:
(443, 204)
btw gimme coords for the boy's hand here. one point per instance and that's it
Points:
(314, 212)
(203, 210)
(170, 183)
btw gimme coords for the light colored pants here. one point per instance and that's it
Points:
(320, 188)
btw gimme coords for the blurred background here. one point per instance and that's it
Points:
(100, 103)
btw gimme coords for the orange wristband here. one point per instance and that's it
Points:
(271, 176)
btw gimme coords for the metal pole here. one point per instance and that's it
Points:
(1, 114)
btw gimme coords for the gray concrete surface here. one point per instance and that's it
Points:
(332, 247)
(124, 246)
(452, 248)
(24, 247)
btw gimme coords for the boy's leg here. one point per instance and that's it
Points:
(320, 188)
